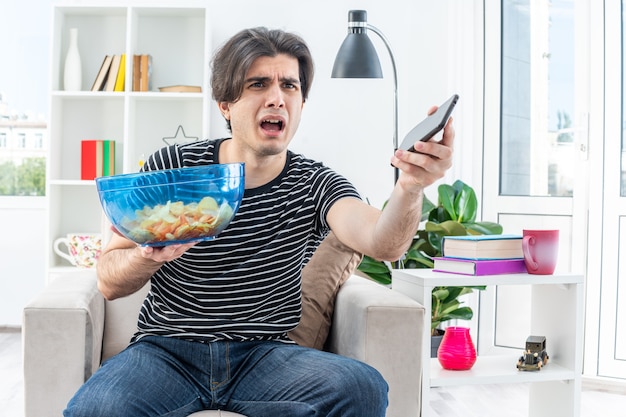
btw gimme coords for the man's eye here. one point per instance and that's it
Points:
(257, 84)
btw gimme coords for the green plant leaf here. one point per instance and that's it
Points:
(454, 293)
(427, 207)
(376, 270)
(447, 228)
(447, 195)
(437, 231)
(461, 313)
(466, 204)
(415, 258)
(449, 307)
(439, 215)
(484, 228)
(441, 293)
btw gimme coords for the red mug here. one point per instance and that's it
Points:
(540, 249)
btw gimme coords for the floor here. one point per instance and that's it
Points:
(509, 400)
(11, 381)
(466, 401)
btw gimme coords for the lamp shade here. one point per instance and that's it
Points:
(357, 57)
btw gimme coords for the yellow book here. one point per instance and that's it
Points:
(121, 74)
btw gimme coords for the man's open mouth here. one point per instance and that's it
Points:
(272, 125)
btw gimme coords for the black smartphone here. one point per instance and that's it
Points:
(430, 126)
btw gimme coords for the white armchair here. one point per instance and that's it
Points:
(69, 329)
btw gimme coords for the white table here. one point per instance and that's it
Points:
(556, 313)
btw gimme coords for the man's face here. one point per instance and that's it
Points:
(267, 115)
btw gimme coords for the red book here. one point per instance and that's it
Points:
(92, 159)
(480, 266)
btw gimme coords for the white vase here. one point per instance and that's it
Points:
(72, 77)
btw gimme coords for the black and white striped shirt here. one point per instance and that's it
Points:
(244, 285)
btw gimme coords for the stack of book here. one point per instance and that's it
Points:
(97, 158)
(112, 74)
(142, 72)
(481, 255)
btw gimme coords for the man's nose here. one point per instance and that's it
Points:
(275, 97)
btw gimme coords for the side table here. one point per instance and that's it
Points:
(556, 313)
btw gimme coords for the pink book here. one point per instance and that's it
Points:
(480, 267)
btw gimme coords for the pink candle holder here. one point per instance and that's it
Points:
(457, 351)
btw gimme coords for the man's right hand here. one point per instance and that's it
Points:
(164, 254)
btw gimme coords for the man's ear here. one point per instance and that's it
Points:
(224, 109)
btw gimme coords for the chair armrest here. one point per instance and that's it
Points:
(382, 328)
(62, 341)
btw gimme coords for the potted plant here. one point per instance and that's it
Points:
(454, 215)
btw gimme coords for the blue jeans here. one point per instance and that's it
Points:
(160, 376)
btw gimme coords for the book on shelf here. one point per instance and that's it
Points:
(108, 157)
(483, 246)
(136, 72)
(146, 73)
(97, 158)
(121, 75)
(142, 72)
(479, 266)
(101, 77)
(181, 89)
(112, 78)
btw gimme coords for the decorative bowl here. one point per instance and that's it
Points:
(158, 208)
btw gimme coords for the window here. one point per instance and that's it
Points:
(38, 141)
(537, 109)
(623, 158)
(22, 158)
(20, 140)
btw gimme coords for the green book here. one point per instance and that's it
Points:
(108, 163)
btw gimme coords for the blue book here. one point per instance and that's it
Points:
(483, 246)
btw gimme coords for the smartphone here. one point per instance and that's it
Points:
(430, 126)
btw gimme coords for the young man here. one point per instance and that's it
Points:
(212, 332)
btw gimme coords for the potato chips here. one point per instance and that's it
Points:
(176, 221)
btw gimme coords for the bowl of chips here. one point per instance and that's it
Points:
(158, 208)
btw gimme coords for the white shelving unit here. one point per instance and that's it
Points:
(556, 313)
(177, 37)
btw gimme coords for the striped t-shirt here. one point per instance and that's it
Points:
(244, 285)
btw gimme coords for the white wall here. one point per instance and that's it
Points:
(24, 31)
(22, 271)
(347, 124)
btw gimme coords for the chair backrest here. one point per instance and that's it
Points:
(120, 322)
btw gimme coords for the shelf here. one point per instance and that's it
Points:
(58, 271)
(63, 270)
(496, 370)
(136, 120)
(157, 95)
(86, 94)
(148, 95)
(558, 383)
(79, 183)
(427, 277)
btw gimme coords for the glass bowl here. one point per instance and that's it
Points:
(159, 208)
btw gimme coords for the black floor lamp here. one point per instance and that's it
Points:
(357, 58)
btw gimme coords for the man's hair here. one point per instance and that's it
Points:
(233, 60)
